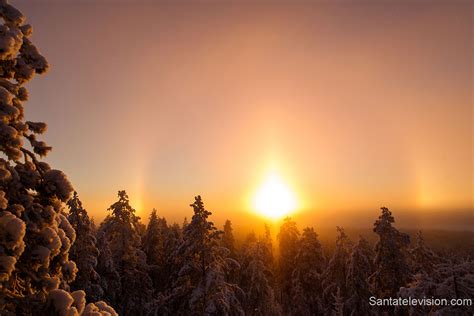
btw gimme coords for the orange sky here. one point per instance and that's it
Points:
(356, 106)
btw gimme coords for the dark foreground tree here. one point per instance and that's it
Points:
(35, 235)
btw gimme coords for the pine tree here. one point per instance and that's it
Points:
(35, 234)
(455, 281)
(423, 258)
(156, 245)
(334, 277)
(449, 280)
(256, 281)
(288, 245)
(245, 249)
(152, 243)
(122, 231)
(109, 276)
(200, 285)
(307, 274)
(267, 240)
(422, 286)
(358, 272)
(366, 249)
(84, 251)
(228, 240)
(173, 240)
(391, 268)
(244, 258)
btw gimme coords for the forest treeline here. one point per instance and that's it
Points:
(196, 269)
(54, 261)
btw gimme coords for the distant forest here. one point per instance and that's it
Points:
(54, 259)
(195, 268)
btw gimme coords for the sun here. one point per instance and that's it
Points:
(274, 199)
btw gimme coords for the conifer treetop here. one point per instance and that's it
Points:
(122, 209)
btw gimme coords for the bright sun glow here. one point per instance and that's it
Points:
(274, 198)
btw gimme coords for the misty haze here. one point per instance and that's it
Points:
(236, 158)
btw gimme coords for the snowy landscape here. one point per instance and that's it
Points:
(55, 259)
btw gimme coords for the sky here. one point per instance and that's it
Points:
(355, 106)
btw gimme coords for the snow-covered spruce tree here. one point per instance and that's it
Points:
(200, 286)
(334, 277)
(358, 272)
(84, 251)
(269, 259)
(154, 244)
(366, 249)
(228, 240)
(288, 246)
(121, 231)
(165, 269)
(141, 228)
(243, 254)
(307, 273)
(422, 286)
(35, 235)
(173, 240)
(244, 250)
(109, 277)
(422, 257)
(267, 240)
(256, 281)
(391, 267)
(448, 281)
(455, 281)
